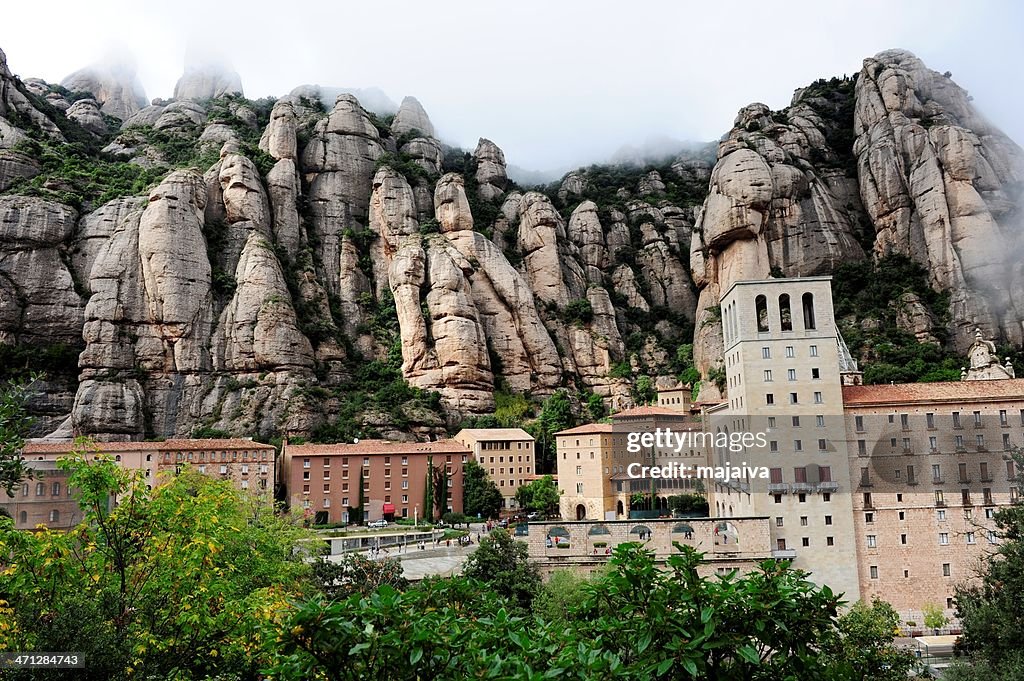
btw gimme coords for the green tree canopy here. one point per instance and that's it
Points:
(540, 495)
(14, 425)
(175, 582)
(480, 496)
(504, 565)
(864, 648)
(991, 612)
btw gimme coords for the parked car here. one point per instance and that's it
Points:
(533, 516)
(378, 523)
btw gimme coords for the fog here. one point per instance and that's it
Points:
(556, 85)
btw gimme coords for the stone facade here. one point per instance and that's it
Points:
(782, 361)
(931, 468)
(507, 454)
(44, 500)
(732, 544)
(249, 465)
(594, 462)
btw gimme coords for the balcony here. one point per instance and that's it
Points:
(912, 481)
(964, 481)
(828, 486)
(988, 501)
(966, 502)
(778, 488)
(802, 487)
(985, 478)
(908, 451)
(865, 482)
(784, 554)
(938, 480)
(940, 504)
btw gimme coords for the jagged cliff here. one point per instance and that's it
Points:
(307, 266)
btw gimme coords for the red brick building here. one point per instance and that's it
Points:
(324, 479)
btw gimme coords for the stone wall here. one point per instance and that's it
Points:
(736, 543)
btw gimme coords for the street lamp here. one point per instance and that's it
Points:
(415, 516)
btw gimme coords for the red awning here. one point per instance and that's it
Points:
(388, 508)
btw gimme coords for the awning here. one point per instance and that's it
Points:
(388, 508)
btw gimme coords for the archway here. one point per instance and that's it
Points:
(581, 512)
(619, 510)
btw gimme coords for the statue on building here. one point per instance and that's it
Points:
(984, 362)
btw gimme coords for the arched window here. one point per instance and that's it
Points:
(40, 489)
(808, 301)
(761, 307)
(785, 314)
(558, 537)
(54, 516)
(598, 530)
(642, 531)
(683, 528)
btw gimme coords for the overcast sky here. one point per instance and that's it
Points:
(553, 83)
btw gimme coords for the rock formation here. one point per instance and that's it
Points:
(942, 186)
(206, 81)
(116, 88)
(259, 293)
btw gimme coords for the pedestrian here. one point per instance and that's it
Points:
(448, 543)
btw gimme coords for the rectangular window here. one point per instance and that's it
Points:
(789, 351)
(769, 398)
(970, 537)
(822, 445)
(828, 520)
(930, 420)
(778, 521)
(872, 541)
(956, 419)
(819, 421)
(862, 447)
(791, 374)
(1003, 420)
(579, 487)
(858, 423)
(1006, 442)
(767, 375)
(814, 351)
(803, 521)
(818, 399)
(796, 421)
(798, 446)
(943, 538)
(793, 399)
(959, 440)
(766, 353)
(933, 443)
(874, 571)
(905, 422)
(815, 373)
